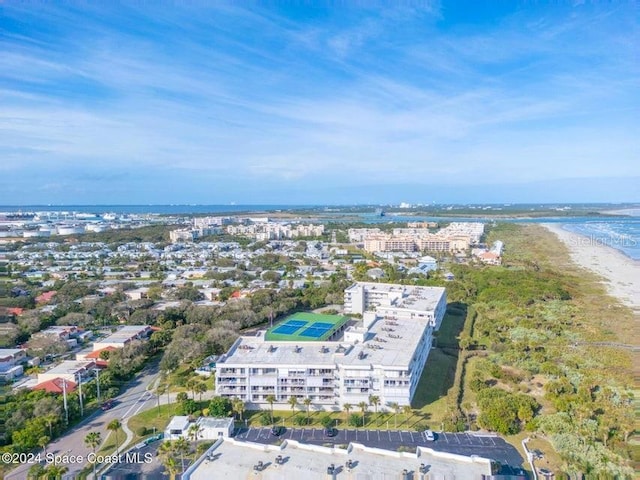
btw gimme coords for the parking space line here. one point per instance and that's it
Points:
(411, 435)
(378, 434)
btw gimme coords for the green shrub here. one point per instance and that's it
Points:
(326, 421)
(264, 419)
(355, 420)
(300, 420)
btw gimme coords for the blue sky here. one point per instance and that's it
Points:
(314, 103)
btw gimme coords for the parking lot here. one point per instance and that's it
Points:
(467, 443)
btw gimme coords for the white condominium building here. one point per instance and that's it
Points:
(382, 355)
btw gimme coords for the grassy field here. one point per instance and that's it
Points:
(154, 420)
(433, 393)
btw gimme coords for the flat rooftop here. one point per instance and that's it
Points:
(69, 367)
(124, 333)
(410, 297)
(390, 342)
(235, 460)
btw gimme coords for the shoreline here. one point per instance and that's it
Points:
(619, 272)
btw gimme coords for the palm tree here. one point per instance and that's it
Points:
(200, 388)
(407, 410)
(55, 472)
(113, 426)
(363, 407)
(93, 440)
(237, 405)
(159, 391)
(50, 419)
(194, 433)
(307, 403)
(347, 407)
(36, 472)
(171, 467)
(271, 400)
(396, 408)
(374, 401)
(293, 402)
(166, 452)
(181, 447)
(42, 441)
(191, 385)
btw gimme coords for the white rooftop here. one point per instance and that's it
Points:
(70, 367)
(211, 422)
(389, 342)
(236, 460)
(9, 352)
(124, 334)
(179, 422)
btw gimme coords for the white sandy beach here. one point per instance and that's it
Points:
(621, 273)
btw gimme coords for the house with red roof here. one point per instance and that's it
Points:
(95, 356)
(56, 385)
(46, 296)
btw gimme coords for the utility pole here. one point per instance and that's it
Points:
(80, 395)
(64, 397)
(98, 384)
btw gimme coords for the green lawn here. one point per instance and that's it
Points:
(439, 372)
(150, 419)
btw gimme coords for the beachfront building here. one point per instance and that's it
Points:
(455, 238)
(382, 354)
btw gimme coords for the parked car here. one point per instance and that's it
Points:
(429, 435)
(330, 432)
(277, 431)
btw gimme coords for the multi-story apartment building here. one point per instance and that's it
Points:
(382, 355)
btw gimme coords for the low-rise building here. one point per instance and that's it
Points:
(11, 360)
(177, 428)
(69, 370)
(210, 428)
(123, 336)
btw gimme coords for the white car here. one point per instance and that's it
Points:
(429, 435)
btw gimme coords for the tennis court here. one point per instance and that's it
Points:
(306, 326)
(290, 327)
(316, 330)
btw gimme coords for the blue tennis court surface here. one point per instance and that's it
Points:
(322, 325)
(306, 326)
(290, 327)
(316, 330)
(286, 329)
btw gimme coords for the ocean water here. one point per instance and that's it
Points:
(145, 209)
(622, 234)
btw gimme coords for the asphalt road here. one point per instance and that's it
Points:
(133, 400)
(467, 443)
